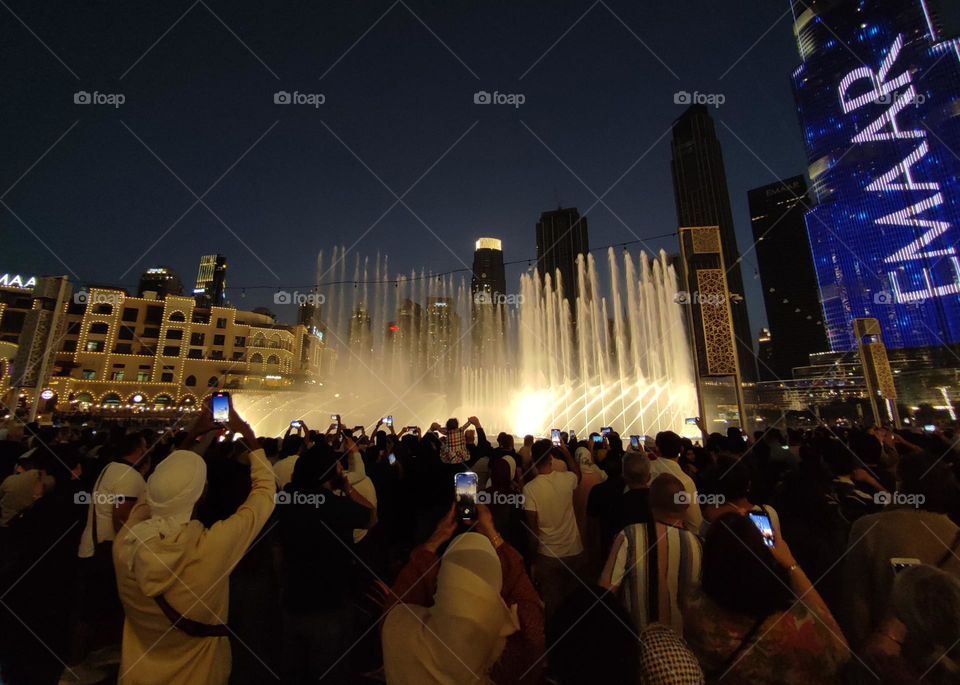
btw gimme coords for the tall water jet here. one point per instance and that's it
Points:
(422, 348)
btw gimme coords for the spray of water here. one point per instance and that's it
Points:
(422, 348)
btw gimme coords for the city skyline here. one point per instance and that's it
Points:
(300, 189)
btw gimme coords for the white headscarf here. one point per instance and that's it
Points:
(587, 464)
(461, 637)
(172, 491)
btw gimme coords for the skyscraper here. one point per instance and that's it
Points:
(158, 282)
(700, 191)
(561, 238)
(877, 91)
(786, 272)
(488, 305)
(489, 283)
(211, 281)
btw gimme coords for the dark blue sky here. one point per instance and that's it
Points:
(600, 99)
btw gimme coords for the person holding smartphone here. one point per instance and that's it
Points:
(752, 592)
(165, 559)
(460, 604)
(320, 512)
(552, 523)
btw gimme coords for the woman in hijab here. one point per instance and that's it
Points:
(590, 475)
(471, 617)
(173, 573)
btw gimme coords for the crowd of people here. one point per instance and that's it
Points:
(213, 555)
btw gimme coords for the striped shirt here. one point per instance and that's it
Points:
(677, 553)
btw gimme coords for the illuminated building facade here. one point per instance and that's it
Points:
(120, 352)
(878, 93)
(211, 281)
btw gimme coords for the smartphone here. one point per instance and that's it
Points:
(220, 404)
(296, 424)
(635, 442)
(762, 522)
(391, 459)
(415, 431)
(605, 431)
(597, 439)
(900, 563)
(388, 421)
(929, 428)
(573, 436)
(692, 421)
(466, 493)
(555, 436)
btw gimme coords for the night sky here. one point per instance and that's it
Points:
(114, 195)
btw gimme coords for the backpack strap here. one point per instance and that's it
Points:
(188, 625)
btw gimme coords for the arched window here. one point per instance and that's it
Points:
(177, 316)
(213, 382)
(256, 358)
(273, 359)
(191, 381)
(112, 399)
(163, 400)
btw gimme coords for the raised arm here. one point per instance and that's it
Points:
(227, 541)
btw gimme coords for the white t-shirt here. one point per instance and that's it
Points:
(119, 482)
(658, 466)
(551, 496)
(283, 469)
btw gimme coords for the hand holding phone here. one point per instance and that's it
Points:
(465, 485)
(220, 407)
(763, 524)
(555, 436)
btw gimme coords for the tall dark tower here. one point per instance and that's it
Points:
(489, 283)
(790, 290)
(561, 238)
(700, 191)
(211, 281)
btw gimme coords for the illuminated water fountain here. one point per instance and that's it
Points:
(419, 348)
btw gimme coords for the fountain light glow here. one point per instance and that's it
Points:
(421, 349)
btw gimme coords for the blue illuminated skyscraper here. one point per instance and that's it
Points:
(878, 95)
